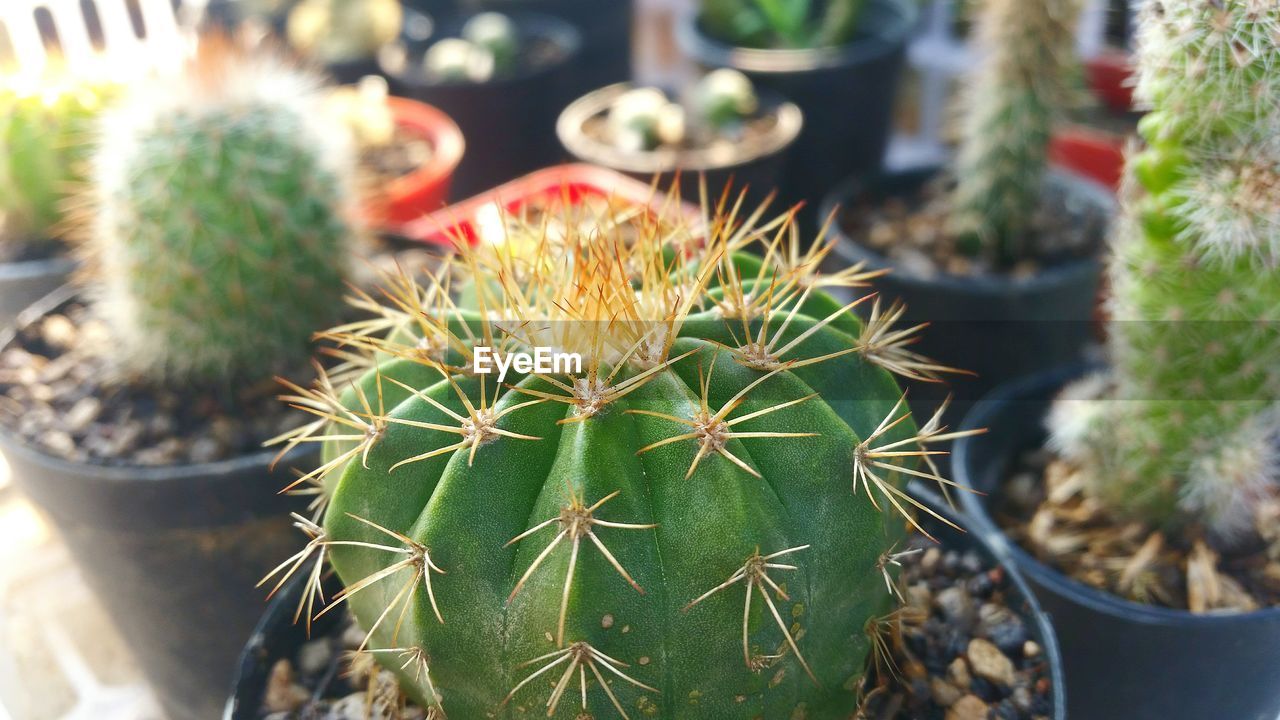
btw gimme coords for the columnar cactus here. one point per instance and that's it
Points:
(1187, 427)
(44, 133)
(1008, 110)
(222, 219)
(699, 521)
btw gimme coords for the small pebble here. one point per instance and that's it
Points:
(282, 694)
(968, 707)
(314, 657)
(944, 693)
(988, 662)
(1031, 649)
(956, 606)
(958, 673)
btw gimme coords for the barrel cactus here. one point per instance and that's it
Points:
(1183, 430)
(221, 222)
(44, 137)
(342, 31)
(1014, 96)
(698, 521)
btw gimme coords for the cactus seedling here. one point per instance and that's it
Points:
(338, 31)
(221, 223)
(644, 119)
(44, 134)
(694, 522)
(1184, 429)
(1014, 97)
(489, 46)
(724, 98)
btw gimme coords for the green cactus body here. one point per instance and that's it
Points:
(685, 529)
(43, 144)
(1196, 296)
(338, 31)
(222, 225)
(1007, 114)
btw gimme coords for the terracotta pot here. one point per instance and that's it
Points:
(426, 189)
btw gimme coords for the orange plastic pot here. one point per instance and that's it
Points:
(1096, 155)
(426, 189)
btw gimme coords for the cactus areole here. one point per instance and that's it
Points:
(699, 524)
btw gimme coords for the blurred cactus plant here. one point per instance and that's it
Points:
(718, 104)
(45, 135)
(782, 23)
(1185, 430)
(699, 520)
(488, 46)
(338, 31)
(221, 223)
(1014, 96)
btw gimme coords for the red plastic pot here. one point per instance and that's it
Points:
(1094, 154)
(568, 184)
(1110, 76)
(426, 189)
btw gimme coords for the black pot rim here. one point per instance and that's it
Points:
(1097, 600)
(11, 444)
(694, 42)
(280, 608)
(395, 63)
(578, 143)
(1064, 273)
(42, 267)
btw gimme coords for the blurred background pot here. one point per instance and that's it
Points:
(173, 553)
(1122, 659)
(756, 162)
(427, 188)
(506, 121)
(24, 282)
(846, 93)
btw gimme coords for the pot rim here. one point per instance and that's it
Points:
(790, 121)
(1002, 284)
(56, 264)
(445, 137)
(12, 444)
(694, 42)
(1097, 600)
(393, 59)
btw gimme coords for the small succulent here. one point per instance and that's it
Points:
(1185, 429)
(45, 134)
(699, 520)
(1019, 89)
(782, 23)
(337, 31)
(222, 219)
(363, 108)
(488, 46)
(645, 118)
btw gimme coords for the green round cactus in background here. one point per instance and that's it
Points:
(44, 137)
(222, 219)
(697, 522)
(1185, 429)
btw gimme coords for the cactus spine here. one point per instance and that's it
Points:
(43, 143)
(1007, 113)
(1196, 291)
(221, 224)
(696, 524)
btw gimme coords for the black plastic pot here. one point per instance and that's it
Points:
(999, 327)
(23, 283)
(278, 637)
(757, 164)
(846, 93)
(509, 122)
(606, 27)
(1123, 660)
(173, 553)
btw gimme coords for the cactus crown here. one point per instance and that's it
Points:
(220, 222)
(1194, 279)
(702, 514)
(773, 24)
(1007, 112)
(43, 143)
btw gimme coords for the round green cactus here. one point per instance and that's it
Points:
(697, 522)
(338, 31)
(222, 219)
(1010, 105)
(44, 134)
(1185, 428)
